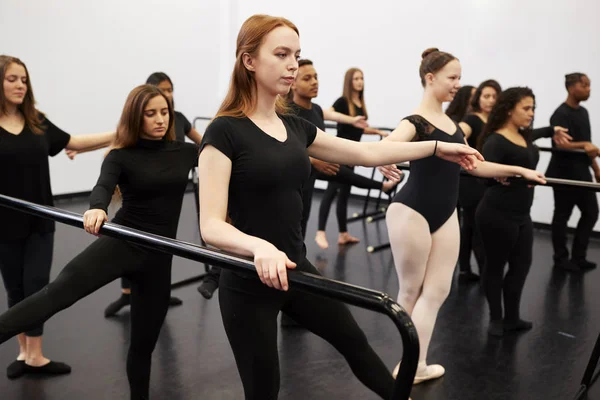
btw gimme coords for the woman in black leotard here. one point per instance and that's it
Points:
(352, 103)
(151, 170)
(503, 216)
(421, 221)
(251, 137)
(471, 190)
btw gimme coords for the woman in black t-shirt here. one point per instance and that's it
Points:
(503, 216)
(351, 103)
(471, 190)
(254, 160)
(183, 128)
(27, 138)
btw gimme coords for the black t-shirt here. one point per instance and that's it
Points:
(476, 125)
(152, 177)
(182, 126)
(347, 131)
(515, 199)
(313, 115)
(265, 188)
(571, 165)
(26, 175)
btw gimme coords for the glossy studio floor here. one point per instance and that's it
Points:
(193, 360)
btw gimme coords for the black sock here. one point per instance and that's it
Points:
(116, 306)
(208, 287)
(175, 301)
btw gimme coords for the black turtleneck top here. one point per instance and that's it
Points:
(152, 177)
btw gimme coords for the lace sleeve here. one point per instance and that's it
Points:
(422, 126)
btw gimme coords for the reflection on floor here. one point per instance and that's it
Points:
(193, 359)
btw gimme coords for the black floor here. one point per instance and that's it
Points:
(193, 360)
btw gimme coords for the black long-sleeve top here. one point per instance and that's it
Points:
(152, 177)
(514, 200)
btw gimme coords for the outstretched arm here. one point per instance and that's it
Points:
(90, 142)
(372, 154)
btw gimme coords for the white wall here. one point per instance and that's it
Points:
(84, 57)
(526, 43)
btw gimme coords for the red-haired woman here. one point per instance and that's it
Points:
(253, 162)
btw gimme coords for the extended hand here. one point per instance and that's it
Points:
(360, 122)
(391, 172)
(561, 136)
(460, 154)
(533, 175)
(325, 167)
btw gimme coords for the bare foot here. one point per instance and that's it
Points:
(37, 362)
(321, 240)
(345, 238)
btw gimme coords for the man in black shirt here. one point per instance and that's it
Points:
(574, 166)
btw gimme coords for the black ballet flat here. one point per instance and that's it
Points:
(16, 369)
(175, 301)
(496, 328)
(208, 288)
(52, 368)
(468, 277)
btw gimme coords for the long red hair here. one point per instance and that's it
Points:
(240, 100)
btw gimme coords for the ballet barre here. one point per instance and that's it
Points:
(550, 182)
(315, 284)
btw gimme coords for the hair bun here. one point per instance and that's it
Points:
(429, 51)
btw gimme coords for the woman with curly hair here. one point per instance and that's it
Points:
(503, 216)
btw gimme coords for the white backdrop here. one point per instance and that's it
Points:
(84, 57)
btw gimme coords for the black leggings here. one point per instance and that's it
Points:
(470, 241)
(342, 182)
(249, 310)
(564, 202)
(102, 262)
(506, 239)
(25, 268)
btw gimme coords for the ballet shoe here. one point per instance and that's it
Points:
(175, 301)
(208, 288)
(583, 263)
(496, 328)
(16, 369)
(52, 368)
(467, 277)
(517, 326)
(396, 370)
(321, 240)
(433, 371)
(117, 305)
(430, 372)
